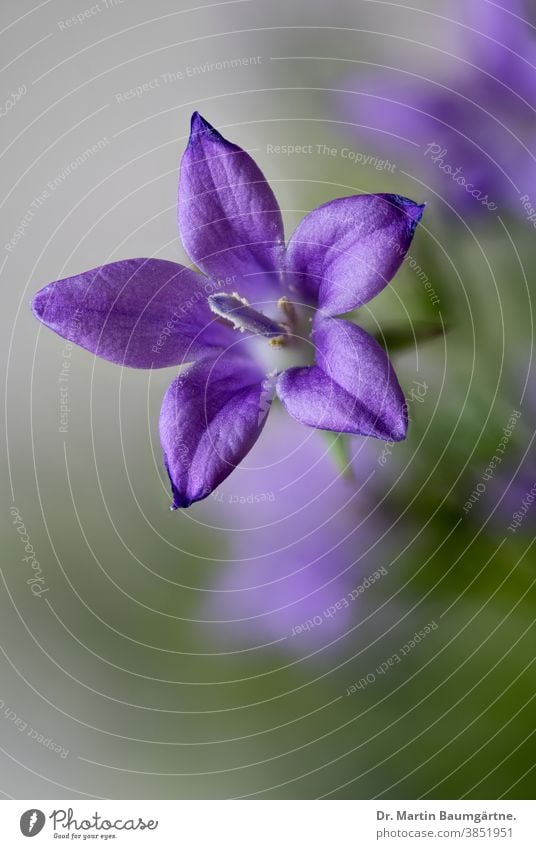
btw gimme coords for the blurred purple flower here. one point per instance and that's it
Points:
(472, 127)
(149, 313)
(506, 491)
(304, 544)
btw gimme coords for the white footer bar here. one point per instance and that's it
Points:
(270, 824)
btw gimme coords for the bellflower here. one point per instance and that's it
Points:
(301, 541)
(471, 125)
(151, 313)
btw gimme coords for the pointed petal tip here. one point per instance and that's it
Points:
(400, 434)
(197, 122)
(413, 210)
(179, 501)
(175, 506)
(182, 502)
(419, 211)
(399, 429)
(199, 125)
(39, 303)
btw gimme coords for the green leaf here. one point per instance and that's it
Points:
(339, 449)
(398, 337)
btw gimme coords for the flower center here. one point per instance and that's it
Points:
(287, 332)
(243, 317)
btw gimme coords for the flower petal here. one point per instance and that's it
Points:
(143, 313)
(345, 252)
(212, 414)
(229, 219)
(352, 389)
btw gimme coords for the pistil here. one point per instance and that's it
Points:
(235, 309)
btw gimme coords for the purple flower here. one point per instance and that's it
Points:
(469, 127)
(150, 313)
(505, 492)
(304, 545)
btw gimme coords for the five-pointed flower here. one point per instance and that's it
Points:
(256, 306)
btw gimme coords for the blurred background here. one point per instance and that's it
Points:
(342, 618)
